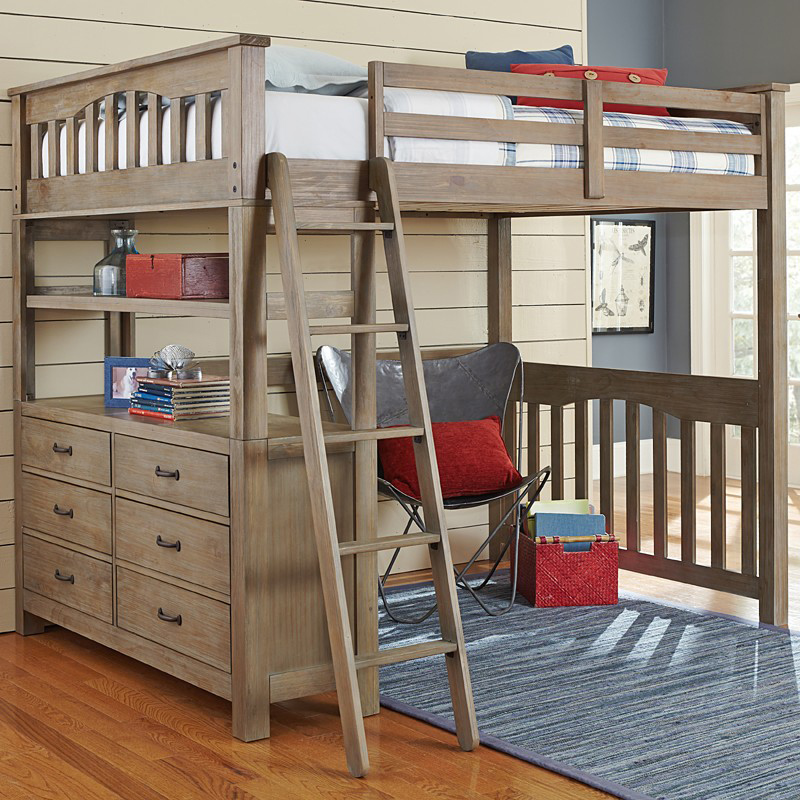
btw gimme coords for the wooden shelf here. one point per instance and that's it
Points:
(76, 301)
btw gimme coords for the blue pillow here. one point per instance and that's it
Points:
(501, 62)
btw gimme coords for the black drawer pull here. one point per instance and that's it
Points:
(167, 618)
(62, 513)
(59, 449)
(166, 473)
(176, 545)
(66, 578)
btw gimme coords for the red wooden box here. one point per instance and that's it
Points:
(177, 276)
(548, 576)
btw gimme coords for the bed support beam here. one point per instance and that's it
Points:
(499, 307)
(772, 374)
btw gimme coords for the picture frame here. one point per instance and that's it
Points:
(120, 379)
(623, 275)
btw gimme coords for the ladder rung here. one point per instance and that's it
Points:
(394, 655)
(319, 305)
(368, 434)
(385, 327)
(388, 543)
(345, 226)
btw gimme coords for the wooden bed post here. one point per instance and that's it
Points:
(249, 490)
(772, 374)
(499, 307)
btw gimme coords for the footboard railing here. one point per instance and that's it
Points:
(715, 559)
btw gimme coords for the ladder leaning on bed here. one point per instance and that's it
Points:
(329, 549)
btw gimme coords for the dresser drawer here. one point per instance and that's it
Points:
(181, 475)
(67, 450)
(177, 618)
(71, 578)
(185, 547)
(77, 515)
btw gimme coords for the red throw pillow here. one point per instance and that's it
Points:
(472, 459)
(645, 77)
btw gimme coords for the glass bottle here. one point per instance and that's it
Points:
(109, 272)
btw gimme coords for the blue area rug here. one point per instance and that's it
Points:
(642, 700)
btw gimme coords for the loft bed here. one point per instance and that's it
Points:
(218, 116)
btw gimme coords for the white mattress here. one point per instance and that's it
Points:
(328, 127)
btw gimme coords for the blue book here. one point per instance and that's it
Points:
(555, 524)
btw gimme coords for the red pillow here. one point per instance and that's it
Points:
(472, 459)
(645, 77)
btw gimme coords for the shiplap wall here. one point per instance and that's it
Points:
(51, 38)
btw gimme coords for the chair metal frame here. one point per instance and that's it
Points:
(524, 495)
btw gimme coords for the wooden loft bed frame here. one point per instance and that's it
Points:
(330, 193)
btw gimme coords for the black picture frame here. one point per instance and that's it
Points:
(637, 229)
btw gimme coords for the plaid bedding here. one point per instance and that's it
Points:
(631, 159)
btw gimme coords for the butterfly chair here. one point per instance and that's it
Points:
(468, 387)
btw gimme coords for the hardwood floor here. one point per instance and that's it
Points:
(80, 721)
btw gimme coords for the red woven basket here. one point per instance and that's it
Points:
(550, 577)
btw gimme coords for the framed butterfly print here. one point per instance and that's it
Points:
(623, 273)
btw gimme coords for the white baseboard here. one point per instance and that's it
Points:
(645, 457)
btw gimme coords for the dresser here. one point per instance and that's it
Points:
(126, 531)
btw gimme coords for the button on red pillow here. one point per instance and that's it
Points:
(472, 459)
(642, 77)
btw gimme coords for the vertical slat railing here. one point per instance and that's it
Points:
(633, 502)
(111, 133)
(177, 130)
(132, 130)
(91, 127)
(593, 152)
(607, 462)
(688, 492)
(73, 157)
(582, 449)
(37, 136)
(154, 117)
(202, 127)
(660, 543)
(749, 499)
(557, 452)
(53, 148)
(534, 442)
(718, 495)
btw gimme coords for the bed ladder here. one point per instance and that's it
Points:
(330, 551)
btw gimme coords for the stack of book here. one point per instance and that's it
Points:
(565, 519)
(209, 396)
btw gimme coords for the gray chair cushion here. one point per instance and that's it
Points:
(473, 386)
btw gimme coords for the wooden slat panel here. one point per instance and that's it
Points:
(37, 135)
(534, 439)
(688, 492)
(112, 132)
(749, 522)
(593, 165)
(607, 462)
(132, 129)
(202, 129)
(73, 160)
(524, 131)
(91, 130)
(177, 130)
(633, 502)
(659, 483)
(718, 556)
(53, 148)
(458, 80)
(699, 397)
(154, 112)
(557, 452)
(582, 446)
